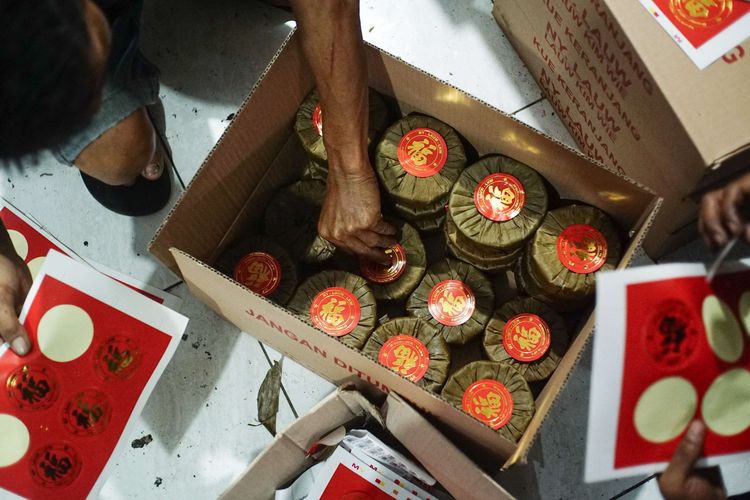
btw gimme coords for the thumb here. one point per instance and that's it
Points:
(688, 452)
(11, 330)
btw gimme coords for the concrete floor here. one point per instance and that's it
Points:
(202, 413)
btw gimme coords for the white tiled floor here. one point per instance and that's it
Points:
(202, 413)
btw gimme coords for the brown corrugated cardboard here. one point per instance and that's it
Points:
(255, 157)
(286, 457)
(633, 100)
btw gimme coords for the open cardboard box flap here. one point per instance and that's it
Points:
(286, 457)
(258, 153)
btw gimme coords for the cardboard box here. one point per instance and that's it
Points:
(258, 154)
(286, 457)
(634, 101)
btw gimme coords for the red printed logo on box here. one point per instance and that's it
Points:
(499, 197)
(405, 355)
(376, 273)
(317, 120)
(582, 249)
(260, 272)
(526, 337)
(451, 302)
(488, 401)
(336, 311)
(422, 152)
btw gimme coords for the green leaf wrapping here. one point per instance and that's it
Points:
(258, 243)
(451, 269)
(315, 170)
(437, 347)
(535, 370)
(292, 220)
(409, 190)
(483, 258)
(312, 142)
(507, 235)
(523, 400)
(305, 294)
(543, 274)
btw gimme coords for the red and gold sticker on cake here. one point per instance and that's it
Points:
(55, 465)
(451, 302)
(317, 120)
(499, 197)
(672, 334)
(376, 273)
(32, 387)
(526, 337)
(582, 248)
(117, 358)
(488, 401)
(336, 311)
(260, 272)
(87, 413)
(422, 152)
(405, 355)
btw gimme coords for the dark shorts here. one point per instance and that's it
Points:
(131, 83)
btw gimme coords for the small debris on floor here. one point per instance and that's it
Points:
(158, 482)
(229, 118)
(143, 441)
(184, 336)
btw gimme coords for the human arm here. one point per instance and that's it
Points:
(15, 281)
(332, 40)
(725, 213)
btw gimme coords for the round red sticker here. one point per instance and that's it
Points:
(317, 120)
(672, 334)
(55, 465)
(87, 413)
(260, 272)
(376, 273)
(488, 401)
(582, 248)
(499, 197)
(526, 337)
(336, 311)
(32, 387)
(405, 355)
(422, 152)
(451, 302)
(117, 358)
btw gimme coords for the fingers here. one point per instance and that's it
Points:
(375, 240)
(382, 227)
(710, 223)
(11, 330)
(683, 460)
(732, 198)
(368, 253)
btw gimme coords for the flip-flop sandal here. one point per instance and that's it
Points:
(144, 197)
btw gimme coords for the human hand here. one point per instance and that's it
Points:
(680, 481)
(15, 281)
(350, 217)
(724, 213)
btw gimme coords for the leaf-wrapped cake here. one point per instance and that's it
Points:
(493, 393)
(408, 266)
(309, 123)
(483, 258)
(261, 265)
(291, 219)
(338, 303)
(412, 348)
(454, 297)
(426, 220)
(315, 170)
(418, 160)
(498, 203)
(573, 244)
(528, 335)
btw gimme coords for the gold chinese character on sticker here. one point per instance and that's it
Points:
(488, 407)
(406, 360)
(452, 304)
(527, 338)
(258, 274)
(699, 8)
(419, 151)
(331, 312)
(500, 199)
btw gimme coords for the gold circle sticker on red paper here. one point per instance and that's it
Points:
(499, 197)
(672, 334)
(700, 14)
(317, 120)
(260, 272)
(376, 273)
(488, 401)
(32, 387)
(117, 358)
(55, 465)
(451, 302)
(87, 413)
(582, 248)
(526, 337)
(405, 355)
(422, 152)
(336, 311)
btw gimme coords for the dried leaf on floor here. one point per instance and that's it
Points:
(268, 397)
